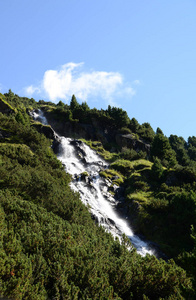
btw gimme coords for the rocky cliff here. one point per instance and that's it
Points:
(96, 131)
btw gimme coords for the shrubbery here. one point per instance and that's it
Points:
(50, 247)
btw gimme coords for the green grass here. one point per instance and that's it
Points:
(122, 165)
(127, 167)
(140, 164)
(141, 197)
(48, 108)
(113, 175)
(7, 104)
(98, 147)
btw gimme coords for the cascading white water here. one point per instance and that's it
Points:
(92, 192)
(39, 116)
(78, 158)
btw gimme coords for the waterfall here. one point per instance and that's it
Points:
(39, 116)
(84, 164)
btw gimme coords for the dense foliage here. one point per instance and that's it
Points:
(50, 247)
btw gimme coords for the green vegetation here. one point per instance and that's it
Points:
(50, 248)
(98, 147)
(112, 175)
(4, 105)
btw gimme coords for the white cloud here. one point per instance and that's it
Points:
(30, 90)
(70, 79)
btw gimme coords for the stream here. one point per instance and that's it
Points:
(84, 164)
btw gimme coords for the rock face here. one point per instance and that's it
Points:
(50, 134)
(78, 130)
(128, 141)
(45, 129)
(97, 132)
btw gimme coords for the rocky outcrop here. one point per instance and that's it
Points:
(5, 108)
(129, 141)
(45, 129)
(50, 134)
(74, 129)
(97, 132)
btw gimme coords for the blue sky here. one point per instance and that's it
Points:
(138, 55)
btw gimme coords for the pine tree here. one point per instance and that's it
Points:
(74, 103)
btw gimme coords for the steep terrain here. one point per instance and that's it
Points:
(50, 248)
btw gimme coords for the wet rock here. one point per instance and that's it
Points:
(90, 180)
(76, 177)
(120, 192)
(115, 187)
(76, 142)
(55, 146)
(95, 218)
(84, 177)
(111, 221)
(97, 163)
(157, 251)
(84, 161)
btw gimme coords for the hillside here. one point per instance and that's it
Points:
(50, 247)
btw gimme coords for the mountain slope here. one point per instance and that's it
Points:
(49, 245)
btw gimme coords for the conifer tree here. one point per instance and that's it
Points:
(74, 103)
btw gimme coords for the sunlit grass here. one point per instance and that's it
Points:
(141, 197)
(98, 147)
(7, 104)
(113, 175)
